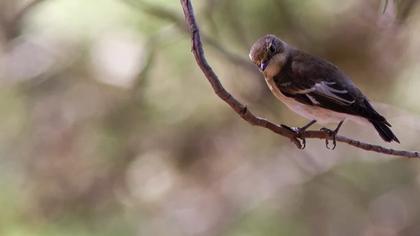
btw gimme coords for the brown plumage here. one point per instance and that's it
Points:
(314, 87)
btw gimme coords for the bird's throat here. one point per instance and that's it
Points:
(275, 66)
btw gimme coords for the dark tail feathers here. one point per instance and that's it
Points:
(384, 131)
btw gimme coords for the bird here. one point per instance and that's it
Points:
(314, 88)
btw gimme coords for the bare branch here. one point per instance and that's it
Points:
(247, 115)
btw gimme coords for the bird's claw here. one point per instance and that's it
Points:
(332, 135)
(299, 133)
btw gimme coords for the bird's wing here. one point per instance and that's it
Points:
(318, 93)
(316, 82)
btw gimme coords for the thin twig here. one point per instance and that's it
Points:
(247, 115)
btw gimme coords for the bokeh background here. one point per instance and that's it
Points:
(108, 127)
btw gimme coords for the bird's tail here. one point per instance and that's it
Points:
(384, 131)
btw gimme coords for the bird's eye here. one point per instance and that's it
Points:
(271, 48)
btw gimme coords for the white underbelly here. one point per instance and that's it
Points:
(321, 115)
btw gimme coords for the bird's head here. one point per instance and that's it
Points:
(265, 49)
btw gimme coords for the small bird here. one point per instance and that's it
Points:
(314, 88)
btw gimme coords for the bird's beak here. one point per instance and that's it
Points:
(263, 66)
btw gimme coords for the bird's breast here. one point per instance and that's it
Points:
(290, 102)
(275, 66)
(320, 114)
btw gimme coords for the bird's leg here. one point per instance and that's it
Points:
(299, 132)
(332, 134)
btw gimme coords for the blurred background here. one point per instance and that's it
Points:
(109, 128)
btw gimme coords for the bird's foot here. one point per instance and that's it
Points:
(331, 135)
(299, 133)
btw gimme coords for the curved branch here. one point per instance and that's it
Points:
(247, 115)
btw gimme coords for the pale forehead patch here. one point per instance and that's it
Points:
(256, 49)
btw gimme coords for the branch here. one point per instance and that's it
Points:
(247, 115)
